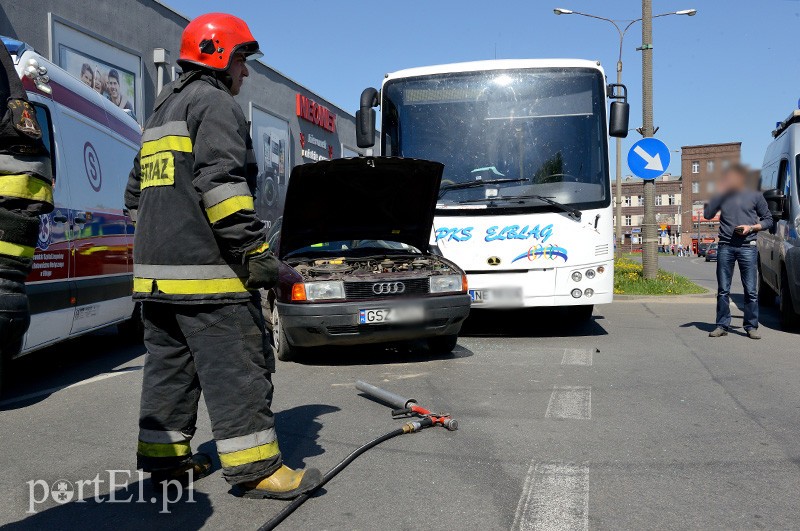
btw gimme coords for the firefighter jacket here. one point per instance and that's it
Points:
(26, 177)
(190, 194)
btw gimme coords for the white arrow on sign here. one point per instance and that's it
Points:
(653, 162)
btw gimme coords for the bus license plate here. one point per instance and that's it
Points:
(402, 314)
(499, 295)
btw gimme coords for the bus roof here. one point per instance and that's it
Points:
(497, 64)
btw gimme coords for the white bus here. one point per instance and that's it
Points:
(525, 201)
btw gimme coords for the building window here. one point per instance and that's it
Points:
(658, 200)
(710, 166)
(628, 221)
(627, 200)
(671, 199)
(710, 187)
(695, 187)
(696, 167)
(641, 200)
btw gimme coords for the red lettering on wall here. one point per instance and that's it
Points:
(313, 112)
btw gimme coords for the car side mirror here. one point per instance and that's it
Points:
(619, 116)
(775, 203)
(365, 118)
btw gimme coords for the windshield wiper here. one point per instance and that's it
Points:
(476, 184)
(574, 213)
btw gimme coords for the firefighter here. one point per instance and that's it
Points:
(200, 255)
(26, 191)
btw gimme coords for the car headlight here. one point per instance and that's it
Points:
(447, 283)
(333, 289)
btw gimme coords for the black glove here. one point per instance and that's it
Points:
(263, 269)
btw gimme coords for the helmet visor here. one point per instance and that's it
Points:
(250, 50)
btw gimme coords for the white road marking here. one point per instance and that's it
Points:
(577, 356)
(52, 390)
(573, 403)
(555, 497)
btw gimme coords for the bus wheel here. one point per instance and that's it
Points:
(582, 313)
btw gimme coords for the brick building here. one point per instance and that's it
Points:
(668, 210)
(700, 166)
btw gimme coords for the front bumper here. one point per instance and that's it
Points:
(337, 323)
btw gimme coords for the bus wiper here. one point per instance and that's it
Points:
(476, 184)
(574, 213)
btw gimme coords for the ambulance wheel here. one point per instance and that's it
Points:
(443, 344)
(284, 351)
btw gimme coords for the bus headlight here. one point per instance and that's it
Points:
(590, 273)
(588, 293)
(577, 293)
(576, 276)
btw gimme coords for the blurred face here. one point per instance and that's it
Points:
(238, 71)
(113, 88)
(731, 180)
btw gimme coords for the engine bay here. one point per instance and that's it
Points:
(370, 267)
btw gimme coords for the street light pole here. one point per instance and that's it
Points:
(622, 31)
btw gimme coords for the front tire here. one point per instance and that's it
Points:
(284, 351)
(443, 344)
(789, 318)
(766, 295)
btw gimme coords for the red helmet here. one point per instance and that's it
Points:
(210, 41)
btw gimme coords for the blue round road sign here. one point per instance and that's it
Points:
(648, 158)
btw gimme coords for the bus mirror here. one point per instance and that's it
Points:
(365, 118)
(620, 110)
(618, 120)
(775, 203)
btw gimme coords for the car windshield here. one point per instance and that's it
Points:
(506, 137)
(357, 247)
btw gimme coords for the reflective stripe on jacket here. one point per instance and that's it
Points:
(191, 195)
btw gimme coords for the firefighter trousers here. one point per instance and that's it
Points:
(222, 351)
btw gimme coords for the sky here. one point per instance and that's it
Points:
(725, 75)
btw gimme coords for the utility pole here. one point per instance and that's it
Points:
(619, 165)
(649, 229)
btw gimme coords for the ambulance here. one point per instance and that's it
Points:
(82, 273)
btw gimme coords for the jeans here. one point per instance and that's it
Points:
(746, 256)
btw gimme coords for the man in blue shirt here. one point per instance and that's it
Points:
(743, 213)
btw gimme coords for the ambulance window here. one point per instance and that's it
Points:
(43, 116)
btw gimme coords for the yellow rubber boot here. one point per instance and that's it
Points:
(283, 484)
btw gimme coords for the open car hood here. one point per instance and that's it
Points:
(368, 198)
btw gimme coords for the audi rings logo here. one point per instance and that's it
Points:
(388, 288)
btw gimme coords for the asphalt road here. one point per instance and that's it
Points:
(637, 420)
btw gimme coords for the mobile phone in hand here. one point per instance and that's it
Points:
(739, 230)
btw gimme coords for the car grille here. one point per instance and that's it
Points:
(363, 290)
(341, 330)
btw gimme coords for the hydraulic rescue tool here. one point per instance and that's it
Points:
(404, 408)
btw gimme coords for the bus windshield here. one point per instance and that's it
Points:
(534, 136)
